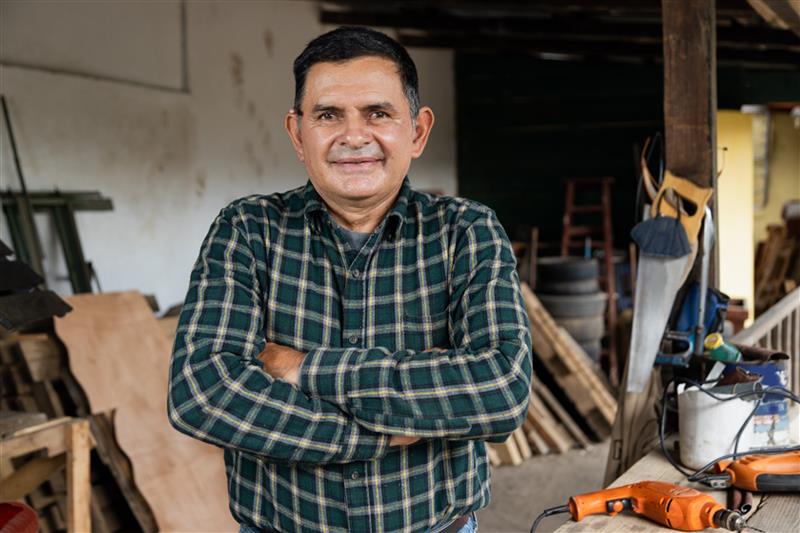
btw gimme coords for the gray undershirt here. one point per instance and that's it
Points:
(355, 238)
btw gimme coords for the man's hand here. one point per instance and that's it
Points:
(402, 440)
(282, 362)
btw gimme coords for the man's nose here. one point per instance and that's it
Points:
(356, 131)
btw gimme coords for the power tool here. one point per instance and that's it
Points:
(758, 473)
(676, 507)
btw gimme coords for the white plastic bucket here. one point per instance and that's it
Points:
(708, 427)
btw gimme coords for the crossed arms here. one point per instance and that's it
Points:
(337, 405)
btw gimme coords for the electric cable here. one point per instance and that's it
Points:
(549, 512)
(700, 475)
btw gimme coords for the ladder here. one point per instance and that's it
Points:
(599, 236)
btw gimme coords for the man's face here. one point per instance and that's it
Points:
(356, 134)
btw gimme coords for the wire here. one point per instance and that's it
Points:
(548, 512)
(701, 474)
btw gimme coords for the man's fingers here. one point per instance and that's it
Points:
(402, 440)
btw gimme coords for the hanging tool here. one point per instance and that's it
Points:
(758, 473)
(676, 507)
(708, 244)
(668, 247)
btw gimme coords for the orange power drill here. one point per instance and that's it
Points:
(677, 507)
(758, 473)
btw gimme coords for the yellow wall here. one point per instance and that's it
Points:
(784, 173)
(734, 222)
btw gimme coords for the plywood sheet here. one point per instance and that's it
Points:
(120, 355)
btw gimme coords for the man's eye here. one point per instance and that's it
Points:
(327, 115)
(378, 115)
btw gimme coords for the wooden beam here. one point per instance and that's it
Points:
(690, 89)
(557, 27)
(761, 59)
(780, 14)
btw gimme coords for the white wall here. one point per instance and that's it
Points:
(99, 109)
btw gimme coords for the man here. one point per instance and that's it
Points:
(353, 343)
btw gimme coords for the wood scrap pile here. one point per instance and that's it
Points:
(549, 427)
(777, 268)
(36, 379)
(109, 362)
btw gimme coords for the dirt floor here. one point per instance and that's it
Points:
(520, 493)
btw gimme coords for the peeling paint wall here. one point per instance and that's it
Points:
(118, 122)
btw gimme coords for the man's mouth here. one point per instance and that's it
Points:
(357, 164)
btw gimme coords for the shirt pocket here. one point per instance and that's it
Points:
(424, 331)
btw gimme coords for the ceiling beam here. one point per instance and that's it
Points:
(578, 27)
(784, 14)
(587, 50)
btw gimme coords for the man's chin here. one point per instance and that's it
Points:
(359, 186)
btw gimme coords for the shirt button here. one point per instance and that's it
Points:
(354, 475)
(356, 273)
(353, 339)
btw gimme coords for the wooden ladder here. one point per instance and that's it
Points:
(604, 242)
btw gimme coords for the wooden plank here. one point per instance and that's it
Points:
(79, 515)
(507, 452)
(522, 443)
(494, 458)
(29, 476)
(535, 441)
(34, 438)
(119, 465)
(547, 427)
(133, 384)
(12, 421)
(560, 413)
(570, 366)
(42, 356)
(785, 15)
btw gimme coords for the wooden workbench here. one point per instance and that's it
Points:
(774, 513)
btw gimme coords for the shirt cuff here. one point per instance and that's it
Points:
(327, 373)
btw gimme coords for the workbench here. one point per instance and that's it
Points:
(68, 443)
(771, 512)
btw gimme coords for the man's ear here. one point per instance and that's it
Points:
(292, 125)
(422, 128)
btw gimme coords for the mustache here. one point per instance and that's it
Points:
(338, 153)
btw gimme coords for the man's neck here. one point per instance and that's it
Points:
(362, 217)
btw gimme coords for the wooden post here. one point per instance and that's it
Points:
(690, 106)
(79, 444)
(690, 89)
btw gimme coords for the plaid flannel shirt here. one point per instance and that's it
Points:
(422, 332)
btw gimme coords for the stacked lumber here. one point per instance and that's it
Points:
(549, 427)
(774, 256)
(35, 379)
(571, 367)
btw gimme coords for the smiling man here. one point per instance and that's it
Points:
(353, 343)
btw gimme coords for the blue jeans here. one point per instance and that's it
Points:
(470, 527)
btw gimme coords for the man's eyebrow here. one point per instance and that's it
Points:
(320, 108)
(380, 106)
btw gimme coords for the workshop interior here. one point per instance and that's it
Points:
(643, 157)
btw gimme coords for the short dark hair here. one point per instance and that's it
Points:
(351, 42)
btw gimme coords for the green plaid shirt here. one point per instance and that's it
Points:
(438, 272)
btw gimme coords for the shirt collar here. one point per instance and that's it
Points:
(315, 207)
